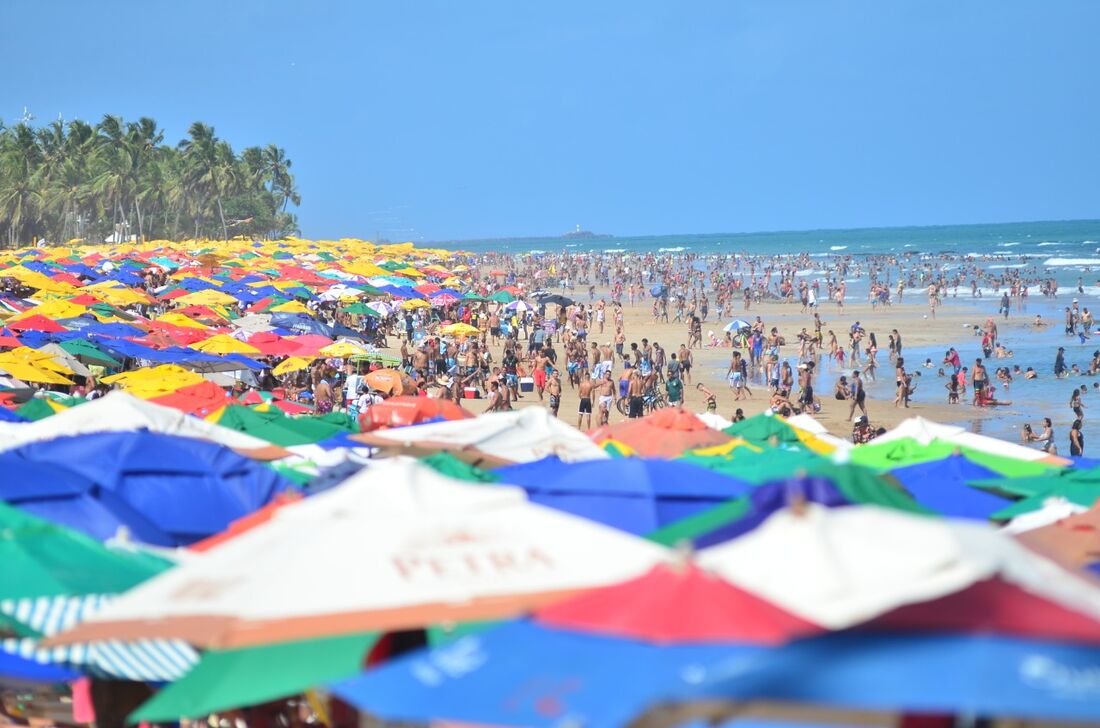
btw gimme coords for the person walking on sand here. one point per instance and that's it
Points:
(636, 392)
(584, 408)
(980, 380)
(605, 390)
(857, 395)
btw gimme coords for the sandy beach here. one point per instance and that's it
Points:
(710, 363)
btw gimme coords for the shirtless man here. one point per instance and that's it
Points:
(494, 327)
(420, 362)
(685, 363)
(605, 389)
(620, 342)
(636, 392)
(553, 391)
(585, 407)
(538, 371)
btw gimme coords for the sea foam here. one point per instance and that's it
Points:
(1050, 262)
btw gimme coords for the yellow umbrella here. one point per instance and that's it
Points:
(292, 364)
(31, 373)
(416, 303)
(460, 329)
(224, 344)
(207, 297)
(35, 358)
(154, 381)
(342, 349)
(180, 320)
(291, 307)
(56, 309)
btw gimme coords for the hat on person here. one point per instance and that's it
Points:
(861, 419)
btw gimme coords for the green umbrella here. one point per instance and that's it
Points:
(757, 467)
(447, 464)
(89, 353)
(857, 485)
(42, 559)
(502, 297)
(226, 679)
(1077, 493)
(907, 451)
(361, 309)
(35, 409)
(760, 429)
(278, 429)
(1051, 483)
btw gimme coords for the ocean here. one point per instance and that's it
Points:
(1055, 243)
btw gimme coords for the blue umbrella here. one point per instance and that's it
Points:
(21, 669)
(168, 491)
(737, 325)
(941, 486)
(525, 674)
(637, 495)
(974, 674)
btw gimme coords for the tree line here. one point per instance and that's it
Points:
(117, 179)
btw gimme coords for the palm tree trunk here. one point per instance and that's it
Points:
(221, 214)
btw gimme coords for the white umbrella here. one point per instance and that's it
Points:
(531, 433)
(381, 307)
(520, 306)
(925, 431)
(397, 546)
(842, 566)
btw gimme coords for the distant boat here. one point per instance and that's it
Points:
(579, 234)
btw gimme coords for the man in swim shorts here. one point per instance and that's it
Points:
(585, 408)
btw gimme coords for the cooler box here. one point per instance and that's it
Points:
(470, 393)
(527, 384)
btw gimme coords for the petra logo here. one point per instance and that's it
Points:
(1072, 682)
(472, 561)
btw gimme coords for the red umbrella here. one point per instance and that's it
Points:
(666, 433)
(274, 345)
(676, 604)
(309, 344)
(406, 410)
(196, 399)
(37, 322)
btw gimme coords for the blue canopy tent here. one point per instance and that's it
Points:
(637, 495)
(168, 491)
(941, 485)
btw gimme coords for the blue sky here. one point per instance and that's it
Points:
(450, 120)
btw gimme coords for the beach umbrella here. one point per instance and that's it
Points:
(459, 329)
(636, 495)
(342, 350)
(829, 485)
(1052, 483)
(292, 364)
(923, 673)
(196, 399)
(44, 560)
(677, 603)
(164, 490)
(502, 297)
(555, 299)
(447, 464)
(764, 428)
(221, 344)
(274, 345)
(737, 325)
(524, 674)
(941, 485)
(36, 322)
(89, 353)
(844, 566)
(390, 381)
(361, 309)
(925, 432)
(1066, 499)
(523, 435)
(904, 451)
(665, 433)
(752, 464)
(236, 678)
(402, 411)
(32, 373)
(445, 299)
(426, 549)
(275, 427)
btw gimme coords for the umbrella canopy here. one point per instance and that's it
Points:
(764, 428)
(665, 433)
(164, 490)
(737, 325)
(526, 674)
(342, 349)
(1017, 678)
(678, 603)
(842, 566)
(275, 427)
(523, 435)
(941, 485)
(226, 679)
(44, 559)
(402, 411)
(292, 364)
(636, 495)
(426, 549)
(224, 344)
(390, 381)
